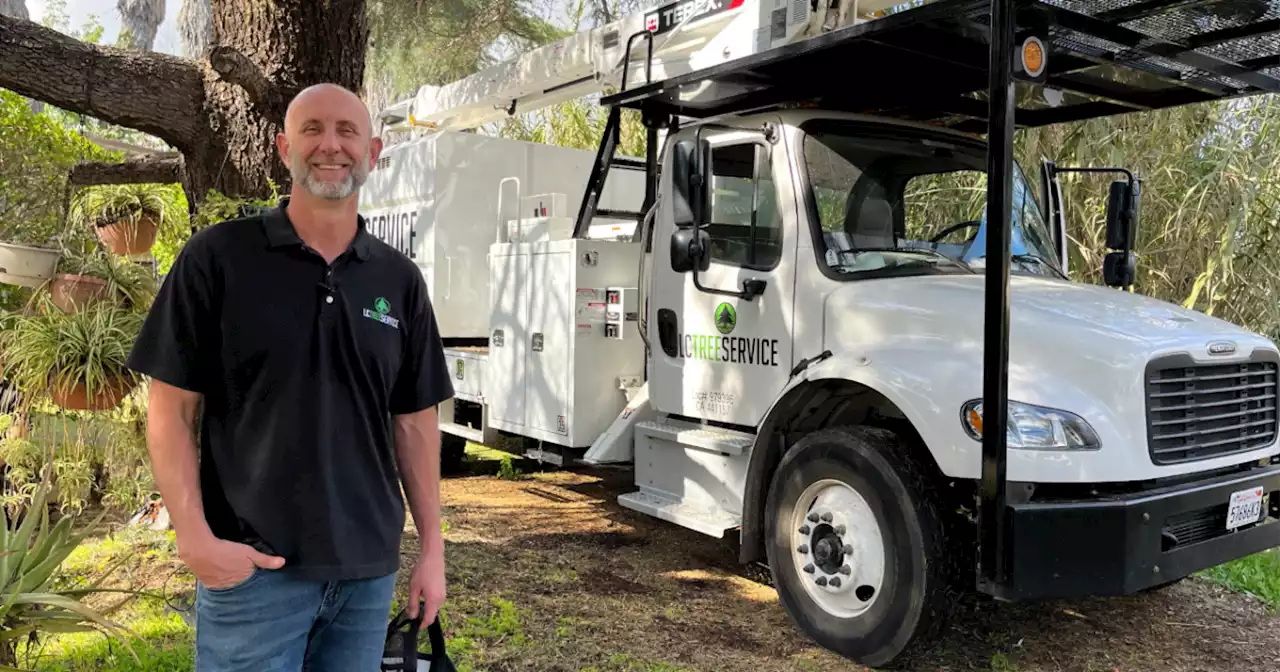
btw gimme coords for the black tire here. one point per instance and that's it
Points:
(453, 452)
(920, 571)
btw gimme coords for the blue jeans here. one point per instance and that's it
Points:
(276, 622)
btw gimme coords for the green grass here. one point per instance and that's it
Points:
(163, 643)
(1257, 575)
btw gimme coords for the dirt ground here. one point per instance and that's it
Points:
(547, 572)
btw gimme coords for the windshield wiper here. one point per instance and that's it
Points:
(909, 250)
(1038, 260)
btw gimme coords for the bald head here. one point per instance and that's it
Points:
(327, 142)
(326, 96)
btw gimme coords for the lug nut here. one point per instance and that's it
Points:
(848, 550)
(840, 529)
(826, 517)
(804, 529)
(821, 581)
(834, 582)
(845, 570)
(813, 517)
(808, 569)
(804, 548)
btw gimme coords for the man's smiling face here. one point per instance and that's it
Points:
(327, 142)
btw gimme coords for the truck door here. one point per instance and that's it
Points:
(722, 353)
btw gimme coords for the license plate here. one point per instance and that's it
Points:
(1245, 508)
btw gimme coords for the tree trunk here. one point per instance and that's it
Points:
(281, 47)
(221, 113)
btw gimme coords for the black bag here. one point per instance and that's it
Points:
(401, 651)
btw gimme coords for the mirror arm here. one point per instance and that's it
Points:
(751, 288)
(1125, 171)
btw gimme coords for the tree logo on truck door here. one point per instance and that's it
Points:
(726, 318)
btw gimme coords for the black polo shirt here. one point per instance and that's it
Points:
(301, 364)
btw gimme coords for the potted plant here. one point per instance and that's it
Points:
(79, 281)
(27, 260)
(77, 359)
(83, 279)
(127, 217)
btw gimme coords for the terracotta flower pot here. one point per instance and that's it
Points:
(76, 398)
(27, 266)
(130, 236)
(72, 292)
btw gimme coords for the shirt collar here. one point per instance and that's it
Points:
(280, 231)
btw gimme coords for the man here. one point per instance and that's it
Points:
(313, 349)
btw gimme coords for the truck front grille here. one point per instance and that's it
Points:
(1199, 411)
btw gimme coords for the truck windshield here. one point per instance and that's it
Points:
(905, 201)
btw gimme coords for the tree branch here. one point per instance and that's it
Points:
(154, 93)
(144, 169)
(237, 69)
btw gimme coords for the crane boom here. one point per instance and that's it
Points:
(684, 35)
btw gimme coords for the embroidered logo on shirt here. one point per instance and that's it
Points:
(380, 309)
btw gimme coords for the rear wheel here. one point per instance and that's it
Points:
(453, 452)
(856, 545)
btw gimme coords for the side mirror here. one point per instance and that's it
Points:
(690, 250)
(1119, 269)
(688, 183)
(1122, 215)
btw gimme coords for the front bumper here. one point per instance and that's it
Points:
(1124, 544)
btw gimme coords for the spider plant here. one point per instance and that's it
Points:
(127, 282)
(66, 354)
(127, 217)
(106, 204)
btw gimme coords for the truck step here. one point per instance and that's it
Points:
(706, 437)
(469, 433)
(710, 521)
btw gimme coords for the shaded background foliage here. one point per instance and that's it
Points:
(1207, 236)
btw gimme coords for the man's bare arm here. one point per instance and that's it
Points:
(418, 454)
(171, 442)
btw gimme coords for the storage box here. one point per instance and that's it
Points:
(436, 199)
(552, 372)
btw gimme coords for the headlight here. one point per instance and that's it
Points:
(1035, 427)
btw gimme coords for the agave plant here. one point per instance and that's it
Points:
(30, 603)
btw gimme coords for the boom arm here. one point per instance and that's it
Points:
(684, 36)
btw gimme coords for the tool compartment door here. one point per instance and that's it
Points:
(549, 346)
(507, 368)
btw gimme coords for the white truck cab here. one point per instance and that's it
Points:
(825, 285)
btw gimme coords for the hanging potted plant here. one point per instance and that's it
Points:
(27, 259)
(127, 217)
(79, 281)
(78, 358)
(84, 279)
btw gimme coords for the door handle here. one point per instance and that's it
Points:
(667, 331)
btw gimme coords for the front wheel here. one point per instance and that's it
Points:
(453, 452)
(856, 545)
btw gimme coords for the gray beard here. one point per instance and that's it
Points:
(301, 174)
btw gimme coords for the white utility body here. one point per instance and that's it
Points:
(780, 319)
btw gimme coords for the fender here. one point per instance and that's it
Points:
(912, 401)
